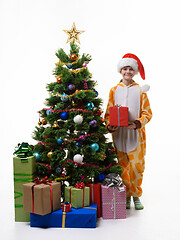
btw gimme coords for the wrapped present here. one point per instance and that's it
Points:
(95, 196)
(66, 207)
(113, 198)
(23, 173)
(77, 218)
(118, 116)
(42, 198)
(78, 195)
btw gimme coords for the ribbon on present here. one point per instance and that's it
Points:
(23, 151)
(79, 185)
(114, 180)
(38, 181)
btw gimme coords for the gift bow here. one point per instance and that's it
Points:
(45, 180)
(114, 180)
(80, 185)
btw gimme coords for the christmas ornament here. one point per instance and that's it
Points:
(58, 170)
(48, 112)
(78, 158)
(93, 123)
(84, 64)
(55, 124)
(69, 66)
(71, 87)
(82, 137)
(59, 141)
(102, 156)
(96, 92)
(94, 146)
(99, 112)
(64, 115)
(64, 97)
(73, 34)
(39, 123)
(59, 80)
(37, 155)
(49, 155)
(90, 106)
(78, 119)
(43, 122)
(73, 57)
(101, 177)
(78, 144)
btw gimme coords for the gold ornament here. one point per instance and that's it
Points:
(102, 156)
(55, 124)
(73, 34)
(49, 155)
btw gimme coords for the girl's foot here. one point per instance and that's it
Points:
(128, 202)
(137, 203)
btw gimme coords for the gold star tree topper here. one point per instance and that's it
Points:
(73, 34)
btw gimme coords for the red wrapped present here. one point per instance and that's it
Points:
(95, 196)
(66, 207)
(118, 116)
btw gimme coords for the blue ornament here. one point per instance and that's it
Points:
(101, 177)
(69, 66)
(48, 112)
(58, 170)
(37, 156)
(64, 97)
(59, 141)
(93, 123)
(96, 92)
(78, 144)
(90, 106)
(94, 146)
(64, 115)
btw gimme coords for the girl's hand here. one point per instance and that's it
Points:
(112, 128)
(131, 125)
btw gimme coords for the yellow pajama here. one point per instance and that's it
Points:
(133, 162)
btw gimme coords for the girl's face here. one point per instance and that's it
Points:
(127, 73)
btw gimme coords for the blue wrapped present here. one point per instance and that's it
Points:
(77, 218)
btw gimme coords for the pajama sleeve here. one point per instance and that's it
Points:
(146, 113)
(110, 104)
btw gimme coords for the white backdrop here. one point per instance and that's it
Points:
(31, 33)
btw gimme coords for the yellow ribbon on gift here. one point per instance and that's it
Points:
(64, 216)
(63, 219)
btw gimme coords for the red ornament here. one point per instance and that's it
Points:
(59, 80)
(73, 57)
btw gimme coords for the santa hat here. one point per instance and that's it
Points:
(132, 61)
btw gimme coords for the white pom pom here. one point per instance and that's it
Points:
(78, 158)
(78, 119)
(145, 88)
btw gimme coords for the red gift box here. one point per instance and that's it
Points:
(95, 196)
(118, 116)
(66, 207)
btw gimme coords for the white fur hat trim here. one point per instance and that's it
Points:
(125, 62)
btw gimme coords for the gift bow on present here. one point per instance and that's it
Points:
(80, 185)
(23, 151)
(114, 180)
(38, 181)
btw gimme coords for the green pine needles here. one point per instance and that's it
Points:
(71, 138)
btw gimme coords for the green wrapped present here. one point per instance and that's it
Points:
(78, 195)
(23, 173)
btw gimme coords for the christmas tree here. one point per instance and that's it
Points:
(72, 146)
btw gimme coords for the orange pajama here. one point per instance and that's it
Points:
(131, 159)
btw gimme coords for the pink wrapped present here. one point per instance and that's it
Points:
(113, 202)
